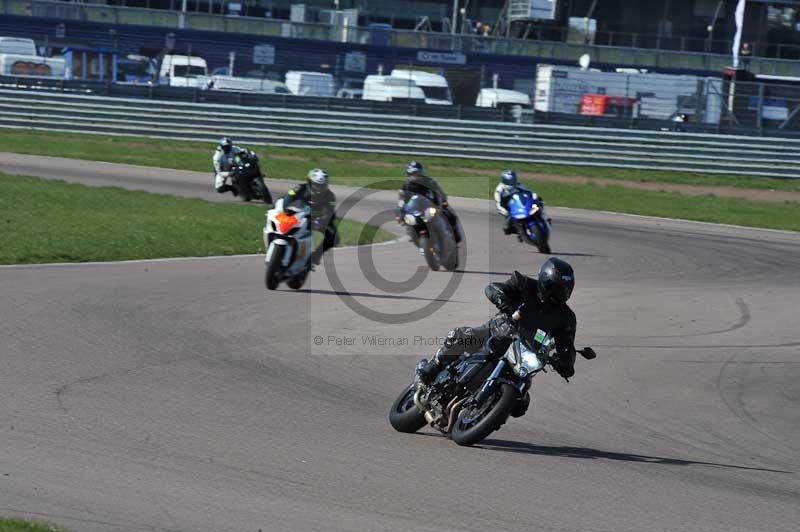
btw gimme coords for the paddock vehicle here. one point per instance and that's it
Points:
(526, 215)
(247, 179)
(433, 232)
(472, 397)
(289, 243)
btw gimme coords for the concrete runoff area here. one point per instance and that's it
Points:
(181, 395)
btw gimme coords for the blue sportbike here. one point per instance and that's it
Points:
(526, 215)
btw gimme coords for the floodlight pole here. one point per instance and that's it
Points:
(455, 15)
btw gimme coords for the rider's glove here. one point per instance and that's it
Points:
(503, 305)
(502, 326)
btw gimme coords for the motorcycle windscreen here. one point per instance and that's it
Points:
(416, 205)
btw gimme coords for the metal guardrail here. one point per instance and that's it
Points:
(468, 112)
(542, 49)
(417, 136)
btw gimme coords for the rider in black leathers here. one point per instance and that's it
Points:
(418, 183)
(543, 305)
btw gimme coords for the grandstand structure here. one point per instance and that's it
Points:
(704, 26)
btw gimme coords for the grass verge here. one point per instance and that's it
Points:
(292, 163)
(20, 525)
(350, 168)
(53, 221)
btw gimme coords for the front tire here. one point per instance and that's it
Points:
(404, 415)
(541, 240)
(271, 279)
(430, 255)
(262, 191)
(474, 425)
(245, 192)
(448, 249)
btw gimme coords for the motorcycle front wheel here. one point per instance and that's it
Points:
(262, 191)
(475, 423)
(541, 240)
(271, 279)
(404, 415)
(430, 254)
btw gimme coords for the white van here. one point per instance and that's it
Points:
(183, 71)
(18, 57)
(435, 87)
(232, 83)
(502, 98)
(17, 45)
(303, 83)
(388, 89)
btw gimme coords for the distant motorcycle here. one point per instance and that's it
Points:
(526, 215)
(289, 243)
(434, 234)
(247, 179)
(472, 397)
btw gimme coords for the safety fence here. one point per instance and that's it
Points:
(398, 134)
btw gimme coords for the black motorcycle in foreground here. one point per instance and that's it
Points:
(246, 178)
(474, 396)
(433, 232)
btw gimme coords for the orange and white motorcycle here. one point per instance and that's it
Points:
(289, 243)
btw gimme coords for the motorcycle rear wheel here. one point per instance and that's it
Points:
(297, 282)
(404, 415)
(469, 431)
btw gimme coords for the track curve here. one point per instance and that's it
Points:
(178, 395)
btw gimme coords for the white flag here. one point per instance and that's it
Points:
(737, 39)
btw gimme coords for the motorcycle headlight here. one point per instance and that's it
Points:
(534, 208)
(431, 212)
(528, 363)
(410, 219)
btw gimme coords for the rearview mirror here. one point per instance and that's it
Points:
(587, 353)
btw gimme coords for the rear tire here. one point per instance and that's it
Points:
(468, 432)
(271, 279)
(297, 282)
(404, 415)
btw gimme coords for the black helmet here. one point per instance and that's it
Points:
(414, 168)
(226, 144)
(556, 281)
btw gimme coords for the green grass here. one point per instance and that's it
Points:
(19, 525)
(384, 171)
(53, 221)
(292, 163)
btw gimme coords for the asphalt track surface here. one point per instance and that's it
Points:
(180, 395)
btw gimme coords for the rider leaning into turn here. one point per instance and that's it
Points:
(223, 161)
(502, 194)
(316, 194)
(545, 307)
(418, 183)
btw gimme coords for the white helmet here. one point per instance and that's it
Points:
(317, 180)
